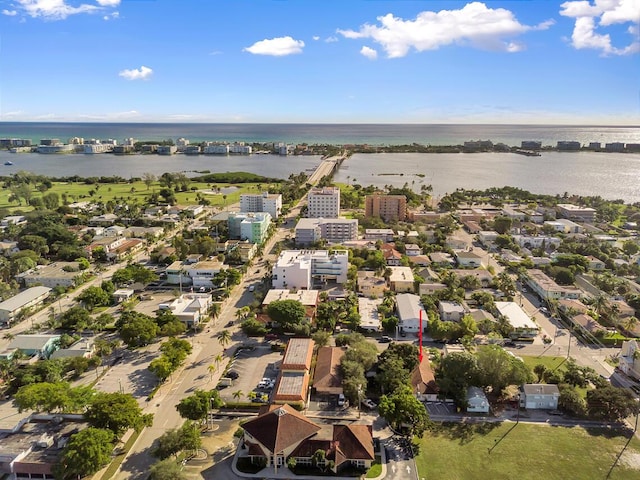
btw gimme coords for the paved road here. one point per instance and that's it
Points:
(206, 347)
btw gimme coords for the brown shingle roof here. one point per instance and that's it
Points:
(353, 442)
(280, 428)
(327, 378)
(422, 378)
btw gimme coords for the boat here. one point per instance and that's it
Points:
(8, 163)
(527, 153)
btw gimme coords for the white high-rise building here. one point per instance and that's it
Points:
(323, 202)
(265, 202)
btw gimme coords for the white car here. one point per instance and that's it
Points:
(367, 402)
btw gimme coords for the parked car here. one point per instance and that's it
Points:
(385, 339)
(271, 336)
(367, 402)
(341, 400)
(229, 324)
(233, 374)
(252, 288)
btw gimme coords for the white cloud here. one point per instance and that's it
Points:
(316, 38)
(9, 13)
(277, 47)
(331, 39)
(215, 52)
(142, 73)
(602, 13)
(474, 25)
(58, 9)
(111, 16)
(370, 53)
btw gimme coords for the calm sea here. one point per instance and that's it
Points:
(340, 134)
(609, 175)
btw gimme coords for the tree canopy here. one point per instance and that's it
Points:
(116, 412)
(287, 313)
(404, 411)
(86, 452)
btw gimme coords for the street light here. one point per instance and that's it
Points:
(359, 399)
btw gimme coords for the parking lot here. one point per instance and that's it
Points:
(129, 373)
(440, 408)
(252, 366)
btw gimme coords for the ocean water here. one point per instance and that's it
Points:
(610, 175)
(340, 134)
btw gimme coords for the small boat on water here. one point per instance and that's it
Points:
(8, 163)
(528, 153)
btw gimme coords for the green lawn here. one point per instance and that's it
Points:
(536, 452)
(551, 363)
(132, 192)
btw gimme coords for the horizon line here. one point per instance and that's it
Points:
(319, 123)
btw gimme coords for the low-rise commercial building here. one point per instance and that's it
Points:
(12, 307)
(547, 289)
(58, 274)
(293, 379)
(574, 212)
(190, 308)
(523, 326)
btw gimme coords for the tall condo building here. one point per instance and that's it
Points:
(387, 207)
(323, 202)
(264, 202)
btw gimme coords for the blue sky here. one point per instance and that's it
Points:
(358, 61)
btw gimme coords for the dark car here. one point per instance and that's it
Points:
(232, 374)
(271, 336)
(385, 339)
(229, 324)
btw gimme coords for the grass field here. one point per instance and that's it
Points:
(136, 192)
(551, 363)
(524, 451)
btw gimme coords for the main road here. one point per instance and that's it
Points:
(205, 348)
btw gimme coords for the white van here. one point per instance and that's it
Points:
(252, 288)
(341, 400)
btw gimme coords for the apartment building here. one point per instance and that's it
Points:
(333, 230)
(387, 207)
(323, 202)
(249, 226)
(264, 202)
(303, 268)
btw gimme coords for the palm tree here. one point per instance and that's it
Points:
(215, 310)
(213, 368)
(630, 324)
(224, 337)
(237, 395)
(218, 360)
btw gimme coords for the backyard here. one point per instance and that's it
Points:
(526, 451)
